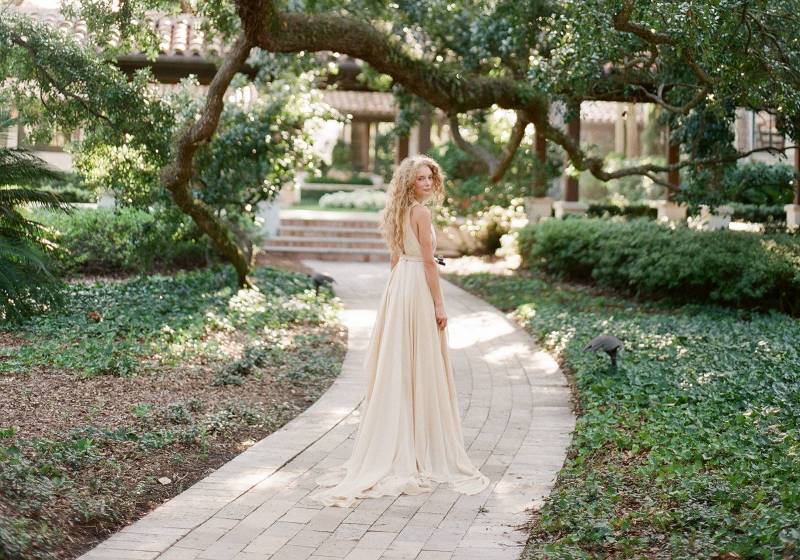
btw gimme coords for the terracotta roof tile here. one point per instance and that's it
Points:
(177, 35)
(366, 104)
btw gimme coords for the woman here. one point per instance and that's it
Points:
(410, 431)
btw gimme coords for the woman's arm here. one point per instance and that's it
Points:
(393, 260)
(421, 222)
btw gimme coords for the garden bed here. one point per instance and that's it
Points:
(691, 449)
(141, 379)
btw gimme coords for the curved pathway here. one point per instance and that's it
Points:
(517, 420)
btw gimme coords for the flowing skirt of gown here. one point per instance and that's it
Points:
(409, 435)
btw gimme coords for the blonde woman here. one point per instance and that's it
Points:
(410, 435)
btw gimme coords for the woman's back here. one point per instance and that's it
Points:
(411, 244)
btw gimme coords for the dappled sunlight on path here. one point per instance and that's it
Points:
(517, 420)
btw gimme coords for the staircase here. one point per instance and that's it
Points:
(333, 236)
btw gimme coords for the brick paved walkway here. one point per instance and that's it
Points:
(517, 421)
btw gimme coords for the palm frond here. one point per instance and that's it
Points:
(26, 285)
(13, 196)
(21, 167)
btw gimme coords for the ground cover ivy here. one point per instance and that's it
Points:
(690, 449)
(118, 327)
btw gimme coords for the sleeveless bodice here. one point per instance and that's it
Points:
(411, 245)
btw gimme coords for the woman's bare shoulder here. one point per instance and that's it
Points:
(420, 213)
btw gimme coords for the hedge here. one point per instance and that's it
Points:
(126, 240)
(646, 258)
(631, 211)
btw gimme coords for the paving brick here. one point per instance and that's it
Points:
(390, 523)
(176, 553)
(299, 515)
(206, 534)
(377, 539)
(363, 554)
(426, 519)
(445, 539)
(251, 556)
(115, 554)
(329, 519)
(293, 552)
(434, 555)
(337, 547)
(310, 537)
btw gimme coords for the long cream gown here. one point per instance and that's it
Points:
(409, 436)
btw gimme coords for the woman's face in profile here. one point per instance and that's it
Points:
(423, 182)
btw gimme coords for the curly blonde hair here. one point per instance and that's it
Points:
(400, 196)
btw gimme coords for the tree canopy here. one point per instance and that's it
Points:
(698, 61)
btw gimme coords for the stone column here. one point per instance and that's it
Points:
(570, 204)
(424, 138)
(572, 184)
(673, 157)
(667, 209)
(413, 140)
(632, 144)
(540, 180)
(619, 130)
(359, 145)
(742, 130)
(797, 173)
(793, 210)
(539, 205)
(401, 149)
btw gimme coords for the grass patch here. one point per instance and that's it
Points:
(691, 449)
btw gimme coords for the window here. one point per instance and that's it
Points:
(765, 131)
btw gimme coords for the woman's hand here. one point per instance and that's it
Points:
(441, 316)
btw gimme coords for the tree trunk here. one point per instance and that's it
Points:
(540, 176)
(177, 174)
(219, 234)
(797, 174)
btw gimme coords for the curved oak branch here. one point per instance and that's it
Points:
(177, 174)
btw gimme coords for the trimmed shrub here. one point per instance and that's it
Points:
(758, 214)
(646, 258)
(631, 211)
(354, 180)
(363, 199)
(759, 183)
(69, 187)
(123, 240)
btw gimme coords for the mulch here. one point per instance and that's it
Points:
(48, 403)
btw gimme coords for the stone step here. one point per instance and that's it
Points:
(325, 242)
(328, 231)
(330, 222)
(331, 254)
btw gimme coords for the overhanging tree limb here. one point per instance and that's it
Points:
(495, 166)
(46, 77)
(452, 89)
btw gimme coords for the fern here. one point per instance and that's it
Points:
(26, 283)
